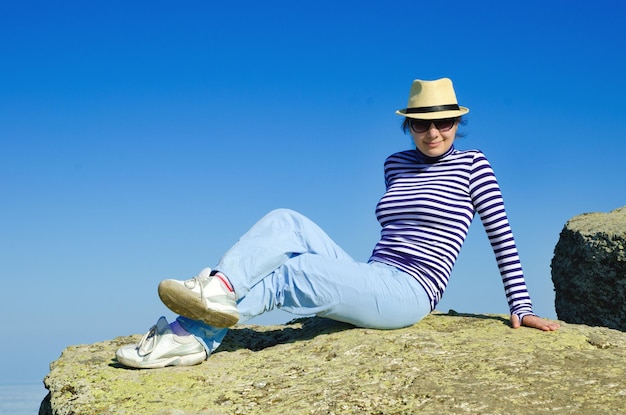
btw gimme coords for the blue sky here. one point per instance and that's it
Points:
(141, 139)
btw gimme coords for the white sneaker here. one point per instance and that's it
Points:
(205, 297)
(160, 347)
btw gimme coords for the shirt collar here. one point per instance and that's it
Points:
(423, 158)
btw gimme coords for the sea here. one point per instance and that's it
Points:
(21, 399)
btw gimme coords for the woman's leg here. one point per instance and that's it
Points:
(286, 261)
(370, 295)
(279, 236)
(210, 337)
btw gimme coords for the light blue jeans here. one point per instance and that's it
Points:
(286, 261)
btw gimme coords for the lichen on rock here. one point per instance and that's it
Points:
(451, 363)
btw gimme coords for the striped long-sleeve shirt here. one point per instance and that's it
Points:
(425, 216)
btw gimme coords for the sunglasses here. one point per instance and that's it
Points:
(421, 126)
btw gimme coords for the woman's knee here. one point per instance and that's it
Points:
(282, 214)
(288, 218)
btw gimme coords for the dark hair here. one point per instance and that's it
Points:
(406, 126)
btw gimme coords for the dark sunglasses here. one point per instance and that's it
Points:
(421, 126)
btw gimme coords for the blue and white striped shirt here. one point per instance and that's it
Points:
(425, 216)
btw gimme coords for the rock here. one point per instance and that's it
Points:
(446, 364)
(589, 270)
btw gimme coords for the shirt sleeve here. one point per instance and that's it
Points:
(489, 204)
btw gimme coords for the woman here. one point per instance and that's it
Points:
(286, 261)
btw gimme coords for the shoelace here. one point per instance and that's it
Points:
(149, 341)
(197, 280)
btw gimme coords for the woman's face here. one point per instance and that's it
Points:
(437, 138)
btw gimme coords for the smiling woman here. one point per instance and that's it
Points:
(285, 261)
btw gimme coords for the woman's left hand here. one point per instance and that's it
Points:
(534, 322)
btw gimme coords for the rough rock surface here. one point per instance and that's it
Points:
(589, 270)
(446, 364)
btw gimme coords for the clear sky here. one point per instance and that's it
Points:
(140, 139)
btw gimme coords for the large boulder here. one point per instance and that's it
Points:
(446, 364)
(589, 270)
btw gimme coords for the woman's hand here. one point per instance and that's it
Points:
(534, 322)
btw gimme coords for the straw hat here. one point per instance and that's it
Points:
(432, 100)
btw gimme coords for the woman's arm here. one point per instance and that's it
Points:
(489, 204)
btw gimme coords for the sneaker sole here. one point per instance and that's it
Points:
(185, 303)
(188, 360)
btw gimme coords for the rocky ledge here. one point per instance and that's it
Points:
(589, 270)
(446, 364)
